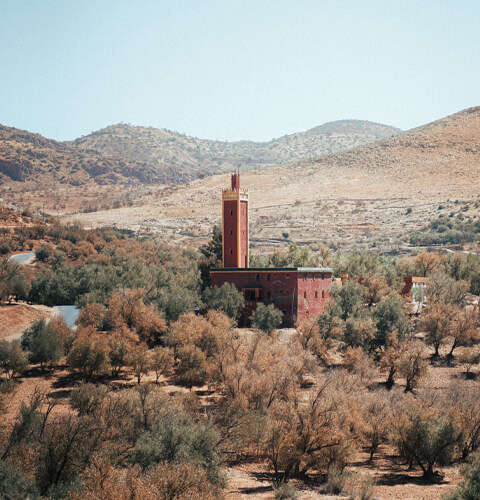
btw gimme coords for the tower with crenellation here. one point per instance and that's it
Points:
(235, 225)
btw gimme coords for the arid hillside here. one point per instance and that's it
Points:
(123, 154)
(370, 196)
(167, 156)
(34, 161)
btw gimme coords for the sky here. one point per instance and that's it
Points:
(231, 70)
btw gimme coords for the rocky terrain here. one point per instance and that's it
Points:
(165, 156)
(371, 196)
(124, 154)
(32, 160)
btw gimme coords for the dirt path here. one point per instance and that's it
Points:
(18, 316)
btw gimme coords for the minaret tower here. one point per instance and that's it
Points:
(235, 225)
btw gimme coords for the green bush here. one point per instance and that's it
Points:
(266, 318)
(42, 344)
(175, 437)
(13, 360)
(470, 488)
(226, 298)
(14, 484)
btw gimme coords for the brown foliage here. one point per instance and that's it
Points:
(139, 359)
(375, 410)
(464, 329)
(161, 361)
(309, 432)
(411, 364)
(128, 309)
(205, 332)
(180, 481)
(437, 322)
(311, 339)
(376, 288)
(428, 262)
(91, 315)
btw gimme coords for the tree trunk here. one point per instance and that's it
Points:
(450, 354)
(408, 387)
(428, 473)
(390, 381)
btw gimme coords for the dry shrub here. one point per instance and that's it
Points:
(311, 431)
(356, 361)
(205, 332)
(375, 410)
(286, 491)
(311, 339)
(179, 481)
(66, 334)
(336, 480)
(127, 309)
(412, 365)
(360, 487)
(468, 359)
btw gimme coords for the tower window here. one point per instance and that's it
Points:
(323, 294)
(231, 212)
(316, 295)
(231, 251)
(305, 294)
(231, 232)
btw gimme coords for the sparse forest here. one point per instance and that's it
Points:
(157, 394)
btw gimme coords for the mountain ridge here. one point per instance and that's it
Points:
(122, 154)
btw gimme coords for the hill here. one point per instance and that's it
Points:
(126, 154)
(167, 156)
(373, 195)
(25, 156)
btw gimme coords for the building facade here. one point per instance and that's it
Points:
(415, 289)
(297, 292)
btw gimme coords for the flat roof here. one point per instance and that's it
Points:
(273, 269)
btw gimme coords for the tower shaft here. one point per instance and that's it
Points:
(235, 238)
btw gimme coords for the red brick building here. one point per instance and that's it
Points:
(297, 292)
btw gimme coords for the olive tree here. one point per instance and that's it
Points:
(266, 318)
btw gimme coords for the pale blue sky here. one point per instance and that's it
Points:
(225, 69)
